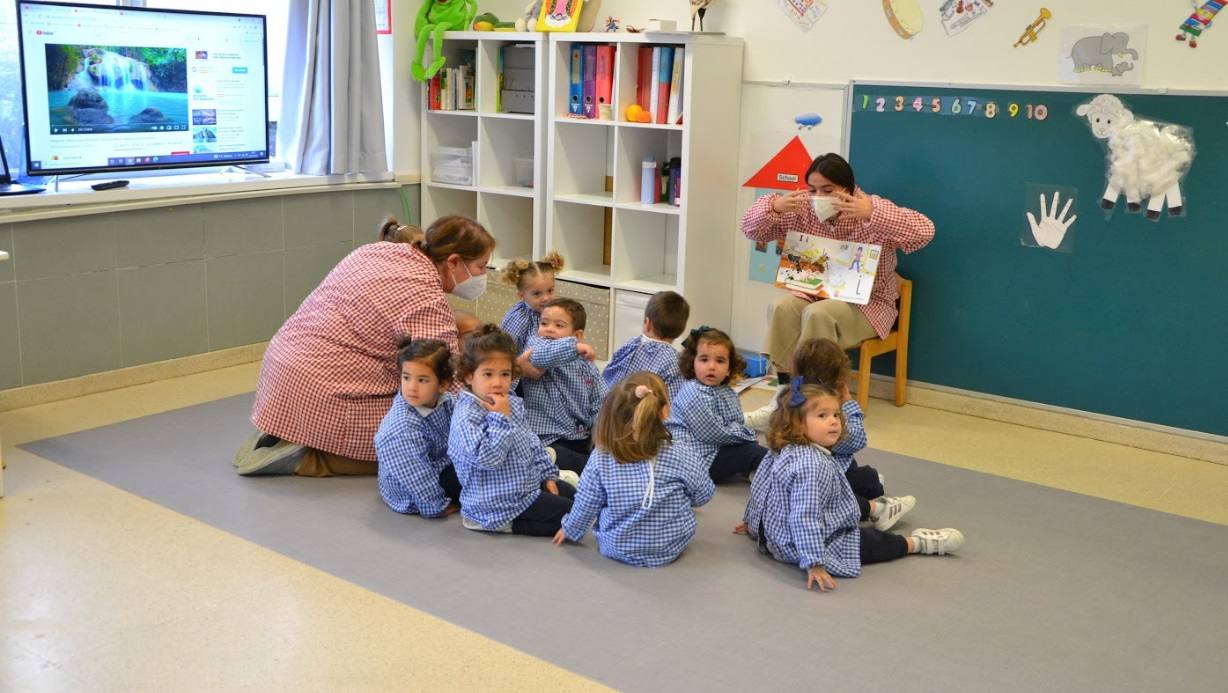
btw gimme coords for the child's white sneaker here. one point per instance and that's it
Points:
(882, 480)
(938, 541)
(570, 477)
(470, 524)
(890, 510)
(554, 456)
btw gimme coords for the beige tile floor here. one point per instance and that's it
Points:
(102, 590)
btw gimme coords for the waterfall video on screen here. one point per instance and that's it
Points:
(128, 88)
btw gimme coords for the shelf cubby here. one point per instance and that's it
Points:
(633, 147)
(581, 156)
(502, 143)
(511, 221)
(580, 239)
(645, 251)
(438, 201)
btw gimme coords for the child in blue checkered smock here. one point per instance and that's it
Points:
(708, 409)
(665, 318)
(415, 475)
(534, 282)
(562, 404)
(801, 509)
(508, 481)
(639, 485)
(822, 362)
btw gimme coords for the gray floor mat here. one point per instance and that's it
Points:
(1054, 590)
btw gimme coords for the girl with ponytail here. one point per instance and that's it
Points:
(640, 483)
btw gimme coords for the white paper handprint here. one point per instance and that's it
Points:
(1053, 226)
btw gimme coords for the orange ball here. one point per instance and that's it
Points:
(644, 117)
(634, 111)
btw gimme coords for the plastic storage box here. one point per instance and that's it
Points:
(524, 172)
(756, 363)
(452, 165)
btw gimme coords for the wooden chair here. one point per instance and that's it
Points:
(897, 341)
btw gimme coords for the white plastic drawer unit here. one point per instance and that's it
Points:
(628, 315)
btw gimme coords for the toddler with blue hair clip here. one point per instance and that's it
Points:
(822, 362)
(801, 509)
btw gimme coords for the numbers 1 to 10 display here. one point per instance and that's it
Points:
(952, 105)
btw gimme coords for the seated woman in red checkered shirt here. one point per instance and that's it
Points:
(329, 374)
(841, 211)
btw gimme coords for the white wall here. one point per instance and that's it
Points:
(853, 41)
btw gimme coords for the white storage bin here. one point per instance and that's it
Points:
(452, 165)
(628, 316)
(524, 172)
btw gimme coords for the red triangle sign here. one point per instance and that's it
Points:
(785, 170)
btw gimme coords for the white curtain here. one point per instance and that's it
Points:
(332, 119)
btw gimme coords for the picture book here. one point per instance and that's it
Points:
(827, 268)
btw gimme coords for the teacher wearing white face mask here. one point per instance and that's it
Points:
(330, 373)
(834, 207)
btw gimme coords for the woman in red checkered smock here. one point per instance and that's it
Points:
(848, 215)
(329, 374)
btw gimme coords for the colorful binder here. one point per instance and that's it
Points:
(675, 87)
(575, 105)
(589, 81)
(605, 81)
(643, 84)
(665, 74)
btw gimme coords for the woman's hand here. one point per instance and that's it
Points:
(857, 206)
(795, 202)
(818, 575)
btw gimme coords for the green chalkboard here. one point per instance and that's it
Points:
(1131, 322)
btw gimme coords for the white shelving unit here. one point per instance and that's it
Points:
(688, 248)
(512, 213)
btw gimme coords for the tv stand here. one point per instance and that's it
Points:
(249, 169)
(55, 181)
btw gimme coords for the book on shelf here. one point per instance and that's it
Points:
(827, 268)
(654, 82)
(675, 87)
(452, 88)
(665, 74)
(643, 73)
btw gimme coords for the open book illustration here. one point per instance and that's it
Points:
(828, 268)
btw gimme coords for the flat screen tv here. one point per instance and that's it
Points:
(127, 89)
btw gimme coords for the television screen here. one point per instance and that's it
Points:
(123, 88)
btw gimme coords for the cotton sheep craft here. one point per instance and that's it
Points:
(1146, 159)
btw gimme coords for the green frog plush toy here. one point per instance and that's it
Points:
(436, 17)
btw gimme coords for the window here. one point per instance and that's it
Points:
(11, 112)
(277, 18)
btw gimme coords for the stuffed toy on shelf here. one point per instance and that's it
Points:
(434, 18)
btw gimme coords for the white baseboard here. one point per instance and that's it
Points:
(42, 393)
(1110, 429)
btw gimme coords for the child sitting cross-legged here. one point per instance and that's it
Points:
(415, 475)
(665, 319)
(639, 485)
(562, 404)
(821, 361)
(708, 409)
(801, 509)
(508, 482)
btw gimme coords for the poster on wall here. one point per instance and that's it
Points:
(1098, 54)
(781, 174)
(804, 13)
(958, 15)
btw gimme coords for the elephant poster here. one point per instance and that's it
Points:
(1097, 54)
